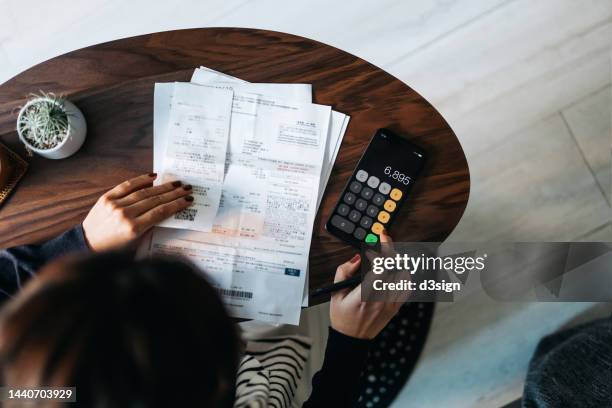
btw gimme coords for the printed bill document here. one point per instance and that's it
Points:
(279, 150)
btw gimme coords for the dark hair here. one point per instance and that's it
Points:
(125, 333)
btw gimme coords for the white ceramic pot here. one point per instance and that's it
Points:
(77, 130)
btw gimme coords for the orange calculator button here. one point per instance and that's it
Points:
(396, 194)
(377, 228)
(390, 205)
(383, 217)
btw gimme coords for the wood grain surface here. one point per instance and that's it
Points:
(112, 83)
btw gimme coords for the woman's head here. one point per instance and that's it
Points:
(149, 333)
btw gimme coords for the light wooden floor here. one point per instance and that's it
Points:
(525, 84)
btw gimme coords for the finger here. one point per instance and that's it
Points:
(148, 192)
(348, 269)
(370, 254)
(161, 212)
(385, 238)
(147, 204)
(345, 271)
(131, 185)
(387, 244)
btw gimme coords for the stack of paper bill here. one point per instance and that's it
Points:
(258, 157)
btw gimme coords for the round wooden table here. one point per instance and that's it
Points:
(113, 83)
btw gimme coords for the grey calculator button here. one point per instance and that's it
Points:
(361, 204)
(362, 175)
(378, 199)
(349, 198)
(354, 216)
(343, 209)
(367, 193)
(384, 188)
(343, 224)
(355, 186)
(373, 181)
(360, 233)
(366, 222)
(372, 211)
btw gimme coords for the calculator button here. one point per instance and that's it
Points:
(343, 224)
(383, 217)
(359, 233)
(372, 211)
(373, 181)
(361, 204)
(355, 187)
(378, 199)
(371, 239)
(349, 198)
(396, 194)
(367, 193)
(384, 188)
(343, 209)
(354, 216)
(362, 175)
(366, 222)
(390, 205)
(377, 228)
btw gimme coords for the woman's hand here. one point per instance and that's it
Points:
(352, 317)
(127, 211)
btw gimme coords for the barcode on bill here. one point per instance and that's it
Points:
(235, 293)
(188, 214)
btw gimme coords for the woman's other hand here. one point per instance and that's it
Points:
(352, 317)
(123, 214)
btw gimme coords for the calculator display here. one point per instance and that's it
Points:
(377, 188)
(394, 157)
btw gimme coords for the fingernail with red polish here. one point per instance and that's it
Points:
(152, 175)
(187, 187)
(189, 198)
(356, 258)
(176, 183)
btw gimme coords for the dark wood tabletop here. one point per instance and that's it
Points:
(112, 83)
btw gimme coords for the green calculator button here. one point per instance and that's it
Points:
(371, 239)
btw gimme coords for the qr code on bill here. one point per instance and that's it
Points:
(188, 214)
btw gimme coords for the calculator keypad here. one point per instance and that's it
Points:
(362, 176)
(383, 217)
(343, 210)
(355, 187)
(367, 193)
(378, 199)
(361, 204)
(366, 222)
(354, 216)
(373, 181)
(396, 194)
(372, 210)
(342, 224)
(349, 198)
(366, 207)
(360, 233)
(390, 205)
(384, 188)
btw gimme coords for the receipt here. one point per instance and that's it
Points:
(279, 156)
(289, 92)
(261, 234)
(195, 151)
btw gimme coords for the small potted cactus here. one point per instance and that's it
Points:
(51, 126)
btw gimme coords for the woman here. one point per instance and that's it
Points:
(148, 333)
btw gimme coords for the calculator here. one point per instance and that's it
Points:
(376, 190)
